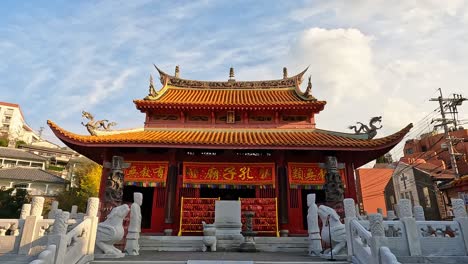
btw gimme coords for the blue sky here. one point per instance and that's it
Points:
(366, 58)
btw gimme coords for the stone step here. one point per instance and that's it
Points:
(15, 259)
(194, 243)
(321, 261)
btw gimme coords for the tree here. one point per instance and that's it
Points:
(88, 178)
(3, 142)
(11, 203)
(19, 143)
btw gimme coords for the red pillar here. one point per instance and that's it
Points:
(350, 182)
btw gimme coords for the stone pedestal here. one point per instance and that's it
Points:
(168, 232)
(249, 242)
(228, 220)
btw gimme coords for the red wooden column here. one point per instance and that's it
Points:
(350, 181)
(102, 186)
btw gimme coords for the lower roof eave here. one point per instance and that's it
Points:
(215, 146)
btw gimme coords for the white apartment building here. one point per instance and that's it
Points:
(13, 125)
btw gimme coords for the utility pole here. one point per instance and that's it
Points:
(41, 129)
(452, 104)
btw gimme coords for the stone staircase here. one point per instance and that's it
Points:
(194, 243)
(15, 259)
(153, 257)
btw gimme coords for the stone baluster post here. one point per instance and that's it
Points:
(418, 212)
(25, 211)
(92, 213)
(397, 210)
(53, 210)
(74, 212)
(412, 235)
(380, 211)
(460, 215)
(58, 237)
(30, 225)
(350, 215)
(391, 215)
(378, 235)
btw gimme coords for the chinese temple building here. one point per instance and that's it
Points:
(252, 140)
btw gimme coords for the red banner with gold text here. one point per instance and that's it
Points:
(146, 173)
(229, 173)
(308, 174)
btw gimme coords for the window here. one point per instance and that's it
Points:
(409, 151)
(427, 198)
(424, 148)
(21, 186)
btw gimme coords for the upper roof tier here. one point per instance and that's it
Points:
(269, 94)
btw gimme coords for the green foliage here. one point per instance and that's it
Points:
(10, 204)
(3, 142)
(55, 168)
(88, 178)
(19, 143)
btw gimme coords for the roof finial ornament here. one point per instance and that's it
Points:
(285, 73)
(177, 71)
(371, 130)
(231, 74)
(96, 125)
(308, 91)
(152, 91)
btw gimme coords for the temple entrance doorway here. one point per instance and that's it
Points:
(319, 199)
(227, 194)
(146, 207)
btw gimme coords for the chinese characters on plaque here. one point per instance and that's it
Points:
(146, 173)
(301, 174)
(229, 173)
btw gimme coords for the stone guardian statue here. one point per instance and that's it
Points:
(315, 241)
(110, 232)
(132, 247)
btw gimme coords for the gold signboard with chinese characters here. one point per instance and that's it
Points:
(146, 173)
(196, 173)
(308, 175)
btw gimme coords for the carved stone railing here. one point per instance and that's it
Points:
(360, 239)
(74, 240)
(50, 240)
(10, 234)
(406, 237)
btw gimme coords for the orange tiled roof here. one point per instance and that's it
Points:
(253, 138)
(181, 93)
(230, 98)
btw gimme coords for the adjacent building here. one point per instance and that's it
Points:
(419, 182)
(12, 157)
(371, 184)
(14, 127)
(35, 180)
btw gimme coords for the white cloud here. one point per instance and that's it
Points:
(341, 62)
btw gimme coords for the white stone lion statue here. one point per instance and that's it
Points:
(111, 231)
(337, 230)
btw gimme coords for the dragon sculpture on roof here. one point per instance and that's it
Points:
(370, 130)
(92, 126)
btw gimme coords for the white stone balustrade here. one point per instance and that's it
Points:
(49, 239)
(410, 238)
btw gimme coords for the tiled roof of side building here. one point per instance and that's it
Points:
(19, 154)
(258, 138)
(30, 174)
